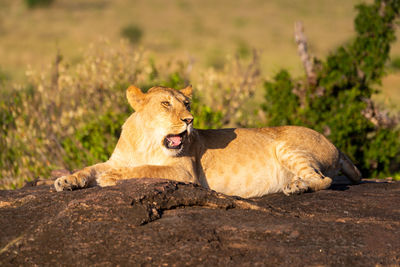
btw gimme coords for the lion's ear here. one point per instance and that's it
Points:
(135, 97)
(187, 91)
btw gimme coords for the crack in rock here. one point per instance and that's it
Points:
(168, 196)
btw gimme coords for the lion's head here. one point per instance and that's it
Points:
(164, 114)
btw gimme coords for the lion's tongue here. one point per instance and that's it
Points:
(174, 140)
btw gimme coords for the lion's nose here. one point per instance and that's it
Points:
(188, 120)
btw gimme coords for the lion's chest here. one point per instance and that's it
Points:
(137, 158)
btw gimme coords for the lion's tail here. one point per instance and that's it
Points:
(349, 169)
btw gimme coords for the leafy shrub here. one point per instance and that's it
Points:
(336, 104)
(278, 94)
(133, 33)
(38, 3)
(94, 141)
(205, 116)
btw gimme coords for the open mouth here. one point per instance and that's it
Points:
(174, 141)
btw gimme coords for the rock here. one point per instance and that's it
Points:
(160, 222)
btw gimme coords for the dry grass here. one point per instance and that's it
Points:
(206, 30)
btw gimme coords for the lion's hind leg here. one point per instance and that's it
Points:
(295, 186)
(306, 175)
(311, 181)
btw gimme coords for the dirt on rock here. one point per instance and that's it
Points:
(161, 222)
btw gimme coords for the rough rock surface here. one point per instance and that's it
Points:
(160, 222)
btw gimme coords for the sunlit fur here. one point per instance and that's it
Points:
(143, 134)
(243, 162)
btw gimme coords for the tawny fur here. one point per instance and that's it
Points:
(242, 162)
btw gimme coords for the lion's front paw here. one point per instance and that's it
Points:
(69, 182)
(108, 178)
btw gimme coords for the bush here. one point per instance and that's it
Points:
(133, 33)
(38, 3)
(336, 104)
(94, 141)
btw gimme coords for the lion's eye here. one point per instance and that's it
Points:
(187, 105)
(166, 104)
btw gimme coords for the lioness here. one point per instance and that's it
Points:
(159, 141)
